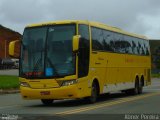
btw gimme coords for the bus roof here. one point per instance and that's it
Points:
(95, 24)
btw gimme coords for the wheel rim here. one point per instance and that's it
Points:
(136, 88)
(140, 88)
(94, 93)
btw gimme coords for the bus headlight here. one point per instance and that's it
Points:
(24, 84)
(69, 82)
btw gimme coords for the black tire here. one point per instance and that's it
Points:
(136, 89)
(128, 92)
(94, 93)
(47, 101)
(133, 91)
(140, 89)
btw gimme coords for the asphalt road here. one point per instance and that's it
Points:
(9, 72)
(116, 105)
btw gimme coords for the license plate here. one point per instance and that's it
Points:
(45, 93)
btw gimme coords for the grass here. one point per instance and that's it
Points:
(155, 75)
(9, 82)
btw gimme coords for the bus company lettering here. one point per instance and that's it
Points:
(131, 60)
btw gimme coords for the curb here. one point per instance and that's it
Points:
(9, 91)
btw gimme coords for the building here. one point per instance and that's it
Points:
(6, 36)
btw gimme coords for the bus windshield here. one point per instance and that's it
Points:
(47, 51)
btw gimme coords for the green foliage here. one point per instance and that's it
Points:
(9, 82)
(155, 75)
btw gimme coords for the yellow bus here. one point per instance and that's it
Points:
(80, 59)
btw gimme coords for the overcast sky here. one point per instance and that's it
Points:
(137, 16)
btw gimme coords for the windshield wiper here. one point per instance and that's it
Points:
(38, 61)
(52, 65)
(37, 65)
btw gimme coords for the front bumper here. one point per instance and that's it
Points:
(65, 92)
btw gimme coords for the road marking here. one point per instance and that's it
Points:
(9, 106)
(106, 104)
(154, 85)
(153, 89)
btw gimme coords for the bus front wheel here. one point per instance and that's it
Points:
(94, 93)
(47, 101)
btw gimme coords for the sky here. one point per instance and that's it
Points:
(136, 16)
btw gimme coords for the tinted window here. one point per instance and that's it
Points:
(83, 61)
(128, 44)
(97, 38)
(147, 47)
(107, 38)
(134, 46)
(141, 47)
(137, 47)
(59, 57)
(119, 43)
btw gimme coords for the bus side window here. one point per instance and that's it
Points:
(128, 44)
(137, 46)
(117, 42)
(134, 50)
(97, 38)
(141, 47)
(107, 37)
(147, 47)
(84, 47)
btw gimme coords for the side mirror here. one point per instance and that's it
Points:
(75, 43)
(14, 49)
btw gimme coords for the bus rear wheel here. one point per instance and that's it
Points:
(140, 89)
(47, 101)
(135, 90)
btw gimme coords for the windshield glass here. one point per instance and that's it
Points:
(59, 60)
(47, 51)
(33, 49)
